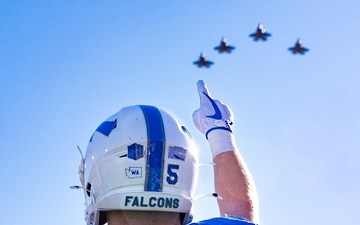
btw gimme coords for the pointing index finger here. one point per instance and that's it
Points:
(203, 91)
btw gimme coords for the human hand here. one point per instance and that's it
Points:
(212, 114)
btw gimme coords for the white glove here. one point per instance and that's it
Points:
(214, 119)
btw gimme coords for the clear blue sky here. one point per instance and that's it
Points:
(65, 66)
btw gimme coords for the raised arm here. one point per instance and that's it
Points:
(233, 180)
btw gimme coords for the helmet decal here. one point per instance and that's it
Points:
(155, 149)
(176, 152)
(105, 128)
(135, 151)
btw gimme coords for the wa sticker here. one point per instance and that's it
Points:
(133, 172)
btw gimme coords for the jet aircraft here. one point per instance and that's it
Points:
(224, 46)
(298, 48)
(203, 62)
(260, 33)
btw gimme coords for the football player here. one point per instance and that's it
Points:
(141, 167)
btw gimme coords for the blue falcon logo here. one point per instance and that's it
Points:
(105, 128)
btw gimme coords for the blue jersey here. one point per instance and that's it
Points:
(230, 220)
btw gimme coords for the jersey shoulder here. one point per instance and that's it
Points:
(230, 220)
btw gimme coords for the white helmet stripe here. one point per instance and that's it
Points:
(155, 148)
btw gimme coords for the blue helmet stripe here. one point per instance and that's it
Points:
(155, 149)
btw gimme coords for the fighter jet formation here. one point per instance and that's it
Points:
(298, 48)
(259, 34)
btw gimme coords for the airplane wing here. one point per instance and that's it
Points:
(292, 49)
(305, 49)
(252, 35)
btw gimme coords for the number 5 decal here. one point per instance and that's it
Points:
(173, 176)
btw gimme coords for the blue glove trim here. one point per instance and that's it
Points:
(215, 128)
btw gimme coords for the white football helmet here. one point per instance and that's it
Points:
(140, 158)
